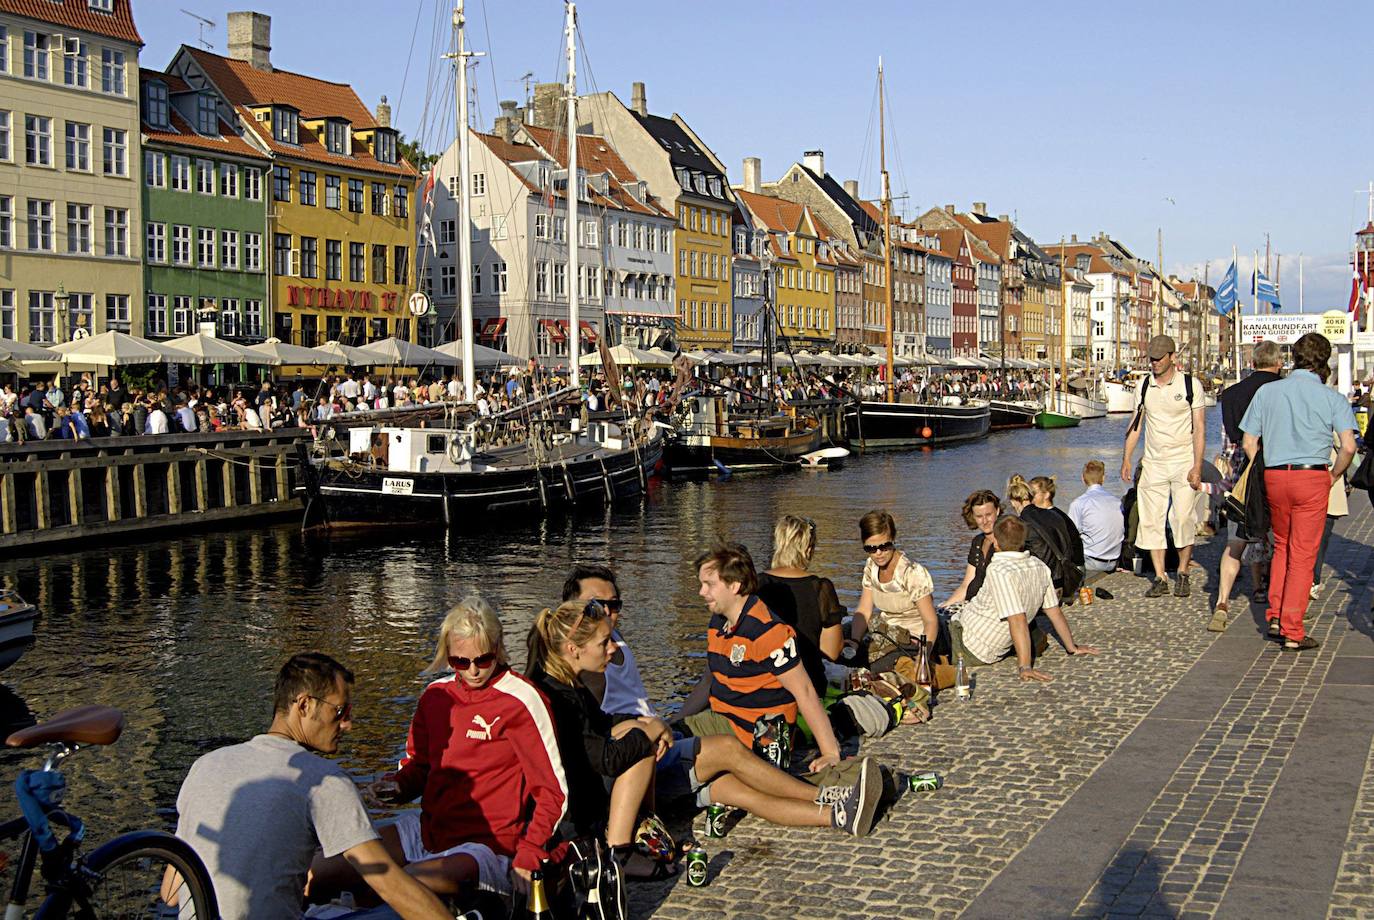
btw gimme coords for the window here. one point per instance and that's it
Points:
(37, 140)
(205, 177)
(378, 198)
(541, 226)
(4, 133)
(310, 335)
(355, 195)
(181, 244)
(560, 229)
(402, 207)
(207, 114)
(205, 247)
(155, 315)
(281, 183)
(252, 318)
(310, 257)
(378, 263)
(5, 65)
(6, 222)
(479, 183)
(112, 71)
(229, 249)
(114, 158)
(228, 180)
(400, 264)
(333, 260)
(116, 231)
(80, 314)
(79, 228)
(155, 169)
(252, 252)
(229, 316)
(156, 108)
(155, 247)
(180, 173)
(336, 137)
(252, 183)
(541, 280)
(41, 317)
(355, 262)
(386, 147)
(560, 280)
(78, 147)
(181, 315)
(590, 234)
(75, 63)
(498, 277)
(447, 277)
(333, 330)
(476, 279)
(281, 254)
(448, 231)
(498, 227)
(307, 186)
(333, 192)
(40, 224)
(35, 56)
(284, 126)
(7, 330)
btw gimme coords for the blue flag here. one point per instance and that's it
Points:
(1264, 289)
(1226, 292)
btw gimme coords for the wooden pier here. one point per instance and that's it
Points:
(68, 491)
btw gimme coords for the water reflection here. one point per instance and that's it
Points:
(186, 634)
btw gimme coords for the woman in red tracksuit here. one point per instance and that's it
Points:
(482, 755)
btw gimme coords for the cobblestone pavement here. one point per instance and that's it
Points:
(1015, 756)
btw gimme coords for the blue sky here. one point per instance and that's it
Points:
(1216, 121)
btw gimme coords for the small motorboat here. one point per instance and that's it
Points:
(827, 458)
(17, 619)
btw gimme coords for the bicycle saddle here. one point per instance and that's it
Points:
(82, 725)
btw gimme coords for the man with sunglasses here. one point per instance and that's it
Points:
(256, 813)
(1173, 412)
(620, 689)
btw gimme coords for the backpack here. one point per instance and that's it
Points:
(1145, 388)
(1062, 568)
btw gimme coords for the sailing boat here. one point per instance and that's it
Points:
(894, 422)
(534, 457)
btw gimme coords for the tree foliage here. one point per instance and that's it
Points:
(415, 154)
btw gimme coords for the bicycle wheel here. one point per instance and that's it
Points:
(124, 878)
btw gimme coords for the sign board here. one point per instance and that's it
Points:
(1336, 326)
(79, 333)
(1282, 330)
(418, 303)
(396, 486)
(1364, 341)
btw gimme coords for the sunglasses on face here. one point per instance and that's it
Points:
(340, 712)
(612, 606)
(459, 663)
(871, 548)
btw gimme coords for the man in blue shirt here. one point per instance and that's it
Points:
(1097, 515)
(1296, 417)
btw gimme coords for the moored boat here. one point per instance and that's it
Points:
(1048, 419)
(17, 619)
(1008, 413)
(707, 435)
(877, 424)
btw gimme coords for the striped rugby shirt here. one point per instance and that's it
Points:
(1015, 583)
(745, 664)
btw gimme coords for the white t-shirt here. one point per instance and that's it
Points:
(1168, 418)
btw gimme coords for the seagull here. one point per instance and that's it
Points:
(1170, 200)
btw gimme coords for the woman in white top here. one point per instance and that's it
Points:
(899, 589)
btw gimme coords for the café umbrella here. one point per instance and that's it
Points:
(119, 349)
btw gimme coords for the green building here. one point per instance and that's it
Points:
(204, 216)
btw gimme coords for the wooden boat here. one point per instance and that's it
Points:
(1048, 419)
(17, 619)
(707, 435)
(1007, 413)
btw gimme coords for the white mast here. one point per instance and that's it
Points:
(465, 210)
(575, 327)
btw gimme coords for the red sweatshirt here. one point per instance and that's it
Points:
(485, 763)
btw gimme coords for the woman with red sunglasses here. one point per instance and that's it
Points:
(482, 755)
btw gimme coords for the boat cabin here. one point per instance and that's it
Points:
(412, 450)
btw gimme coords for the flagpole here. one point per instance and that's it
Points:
(1235, 318)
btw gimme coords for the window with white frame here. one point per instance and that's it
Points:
(541, 279)
(75, 63)
(229, 249)
(498, 227)
(498, 277)
(6, 222)
(112, 71)
(205, 177)
(252, 318)
(179, 173)
(35, 55)
(117, 312)
(476, 279)
(155, 242)
(40, 220)
(560, 280)
(229, 180)
(37, 140)
(541, 226)
(183, 317)
(42, 318)
(116, 231)
(252, 183)
(7, 330)
(79, 228)
(252, 252)
(4, 135)
(229, 316)
(447, 231)
(181, 244)
(5, 57)
(205, 247)
(155, 315)
(479, 183)
(154, 169)
(560, 229)
(590, 234)
(447, 280)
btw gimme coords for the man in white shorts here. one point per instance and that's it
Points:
(1171, 408)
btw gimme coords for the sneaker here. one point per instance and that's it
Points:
(1159, 588)
(1315, 590)
(1181, 587)
(831, 795)
(1275, 629)
(1219, 616)
(854, 813)
(1300, 645)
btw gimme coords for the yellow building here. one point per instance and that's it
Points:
(803, 270)
(703, 274)
(341, 198)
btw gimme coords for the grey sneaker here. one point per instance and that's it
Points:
(1159, 588)
(1181, 587)
(830, 795)
(1219, 617)
(854, 813)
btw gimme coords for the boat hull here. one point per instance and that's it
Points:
(17, 621)
(1007, 414)
(872, 424)
(1076, 404)
(707, 453)
(1121, 397)
(1048, 420)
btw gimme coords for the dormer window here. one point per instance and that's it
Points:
(207, 115)
(337, 137)
(715, 187)
(285, 125)
(155, 105)
(699, 183)
(684, 178)
(101, 6)
(386, 146)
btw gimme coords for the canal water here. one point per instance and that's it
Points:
(186, 634)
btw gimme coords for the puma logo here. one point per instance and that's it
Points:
(483, 730)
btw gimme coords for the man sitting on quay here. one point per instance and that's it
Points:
(1097, 515)
(997, 621)
(257, 812)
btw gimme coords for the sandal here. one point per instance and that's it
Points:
(1306, 643)
(915, 714)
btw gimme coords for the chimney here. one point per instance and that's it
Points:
(1004, 218)
(250, 39)
(814, 160)
(949, 209)
(384, 114)
(507, 121)
(752, 166)
(980, 208)
(851, 188)
(1073, 237)
(550, 107)
(638, 103)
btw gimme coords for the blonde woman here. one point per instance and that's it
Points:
(805, 602)
(482, 757)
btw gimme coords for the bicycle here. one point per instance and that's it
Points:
(139, 874)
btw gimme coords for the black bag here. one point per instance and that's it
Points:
(1063, 570)
(1363, 477)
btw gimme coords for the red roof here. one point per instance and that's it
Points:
(774, 213)
(77, 14)
(182, 134)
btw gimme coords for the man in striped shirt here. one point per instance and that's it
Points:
(997, 620)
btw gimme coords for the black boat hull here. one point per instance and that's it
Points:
(871, 424)
(1006, 415)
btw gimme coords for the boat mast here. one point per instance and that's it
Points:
(1065, 338)
(465, 208)
(887, 226)
(574, 315)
